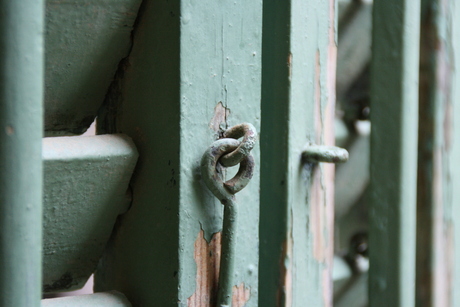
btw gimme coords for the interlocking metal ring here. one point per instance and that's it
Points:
(249, 134)
(212, 176)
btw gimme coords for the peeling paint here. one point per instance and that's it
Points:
(284, 294)
(207, 258)
(241, 295)
(317, 216)
(219, 120)
(317, 100)
(289, 63)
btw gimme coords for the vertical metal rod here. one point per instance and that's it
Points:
(227, 260)
(21, 125)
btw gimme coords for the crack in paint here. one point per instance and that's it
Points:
(108, 113)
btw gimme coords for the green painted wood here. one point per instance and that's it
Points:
(21, 109)
(103, 299)
(393, 166)
(85, 41)
(85, 189)
(299, 54)
(454, 158)
(193, 70)
(436, 165)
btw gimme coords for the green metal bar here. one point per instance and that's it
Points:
(394, 95)
(102, 299)
(21, 99)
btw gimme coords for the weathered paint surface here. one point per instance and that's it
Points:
(435, 240)
(298, 97)
(394, 87)
(85, 189)
(103, 299)
(454, 158)
(207, 258)
(187, 58)
(85, 41)
(21, 126)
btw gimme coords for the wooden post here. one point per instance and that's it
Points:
(21, 130)
(194, 70)
(437, 166)
(394, 99)
(298, 100)
(439, 156)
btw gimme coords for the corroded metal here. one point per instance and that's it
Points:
(212, 175)
(249, 134)
(322, 153)
(234, 152)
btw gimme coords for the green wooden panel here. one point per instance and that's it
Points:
(394, 98)
(85, 189)
(103, 299)
(193, 70)
(85, 41)
(436, 165)
(299, 54)
(21, 109)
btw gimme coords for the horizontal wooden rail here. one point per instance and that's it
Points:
(103, 299)
(85, 189)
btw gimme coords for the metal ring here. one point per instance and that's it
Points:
(249, 134)
(225, 191)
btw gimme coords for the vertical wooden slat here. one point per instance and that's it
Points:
(299, 56)
(455, 156)
(394, 100)
(194, 70)
(436, 165)
(21, 126)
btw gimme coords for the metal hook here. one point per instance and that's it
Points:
(229, 152)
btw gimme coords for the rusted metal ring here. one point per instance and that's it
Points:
(249, 134)
(225, 191)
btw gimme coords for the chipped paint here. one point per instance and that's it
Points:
(218, 122)
(241, 295)
(284, 291)
(207, 258)
(317, 213)
(317, 100)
